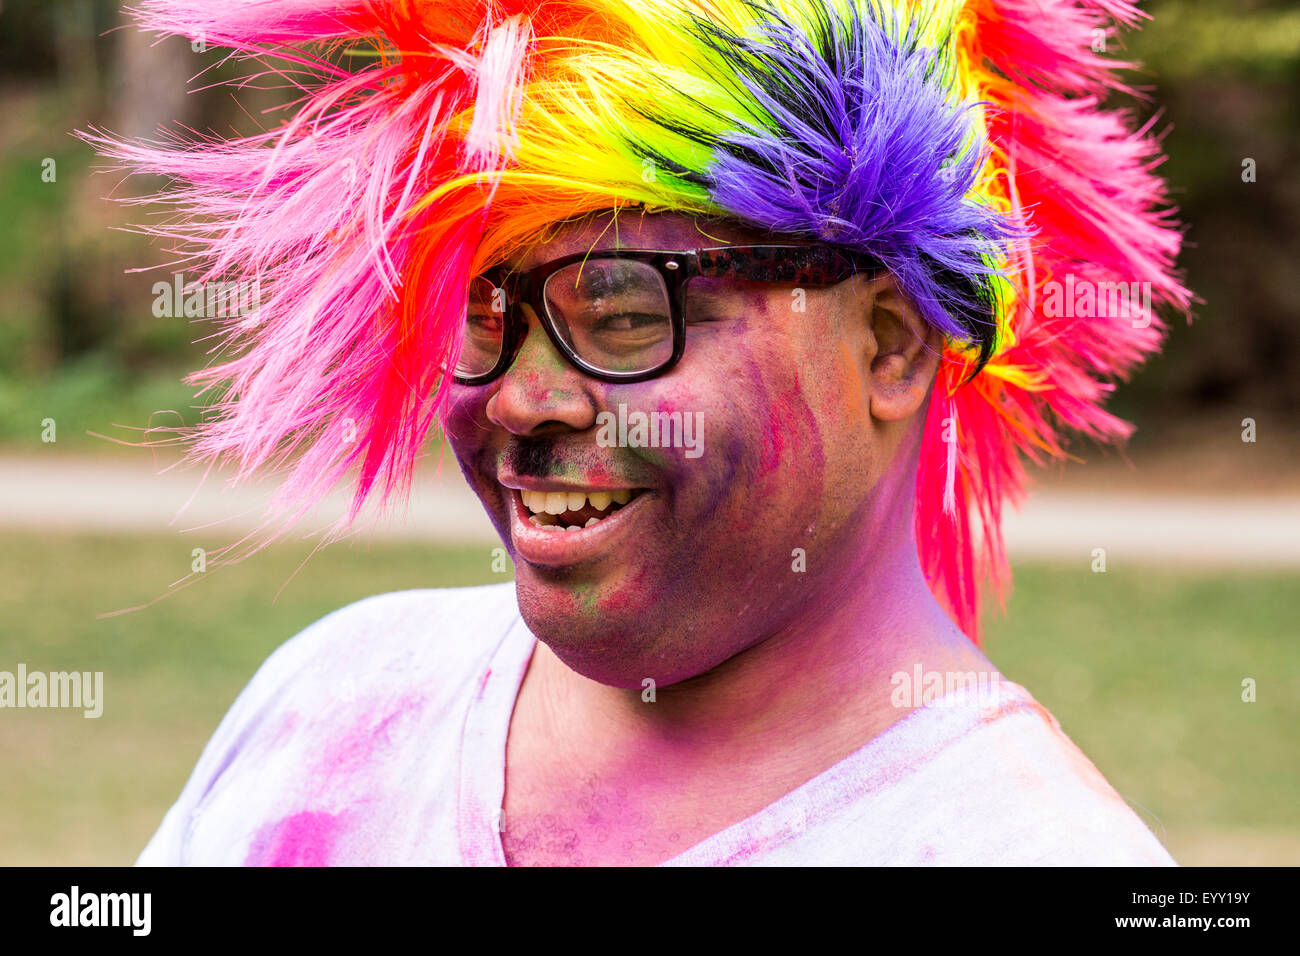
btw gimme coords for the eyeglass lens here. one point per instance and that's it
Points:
(614, 314)
(485, 315)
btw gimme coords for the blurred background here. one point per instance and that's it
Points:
(1143, 664)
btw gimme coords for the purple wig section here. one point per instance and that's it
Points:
(870, 151)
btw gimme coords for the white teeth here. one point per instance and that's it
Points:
(590, 522)
(558, 502)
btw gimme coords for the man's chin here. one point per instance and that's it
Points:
(581, 600)
(579, 624)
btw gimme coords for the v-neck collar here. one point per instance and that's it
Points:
(482, 786)
(898, 750)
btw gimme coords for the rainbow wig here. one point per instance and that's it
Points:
(963, 142)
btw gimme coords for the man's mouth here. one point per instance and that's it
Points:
(558, 529)
(573, 510)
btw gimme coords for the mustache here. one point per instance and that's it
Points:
(545, 457)
(532, 457)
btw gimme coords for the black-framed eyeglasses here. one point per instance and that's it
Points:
(620, 315)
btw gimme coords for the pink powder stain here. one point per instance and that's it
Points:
(599, 473)
(772, 442)
(790, 420)
(633, 596)
(303, 839)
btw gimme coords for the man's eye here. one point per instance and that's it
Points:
(484, 323)
(705, 310)
(628, 322)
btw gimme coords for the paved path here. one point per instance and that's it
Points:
(1179, 529)
(105, 495)
(48, 492)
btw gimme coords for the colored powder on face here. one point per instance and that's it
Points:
(790, 419)
(772, 442)
(633, 596)
(587, 597)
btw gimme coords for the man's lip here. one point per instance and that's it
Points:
(560, 548)
(532, 484)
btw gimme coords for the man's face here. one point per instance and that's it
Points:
(701, 562)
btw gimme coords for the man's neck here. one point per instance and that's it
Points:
(602, 774)
(806, 696)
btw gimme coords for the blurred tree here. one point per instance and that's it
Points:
(1226, 77)
(150, 79)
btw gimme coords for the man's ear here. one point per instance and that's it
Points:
(906, 355)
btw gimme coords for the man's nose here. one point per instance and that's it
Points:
(541, 387)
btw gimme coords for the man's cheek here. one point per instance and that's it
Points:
(714, 505)
(464, 416)
(467, 428)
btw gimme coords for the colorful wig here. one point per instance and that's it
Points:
(964, 142)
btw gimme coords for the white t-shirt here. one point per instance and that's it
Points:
(377, 736)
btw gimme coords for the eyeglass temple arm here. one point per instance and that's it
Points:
(810, 265)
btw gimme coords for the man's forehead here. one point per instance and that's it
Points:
(636, 229)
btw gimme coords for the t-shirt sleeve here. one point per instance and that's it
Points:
(347, 735)
(243, 720)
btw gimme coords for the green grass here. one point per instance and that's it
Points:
(1142, 667)
(91, 397)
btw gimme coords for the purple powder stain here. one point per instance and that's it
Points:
(370, 732)
(303, 839)
(285, 731)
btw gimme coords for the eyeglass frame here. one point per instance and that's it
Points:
(823, 266)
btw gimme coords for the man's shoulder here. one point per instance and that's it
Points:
(381, 654)
(343, 705)
(1015, 789)
(980, 777)
(403, 629)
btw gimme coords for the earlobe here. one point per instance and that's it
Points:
(906, 356)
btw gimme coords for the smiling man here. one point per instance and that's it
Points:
(814, 233)
(681, 577)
